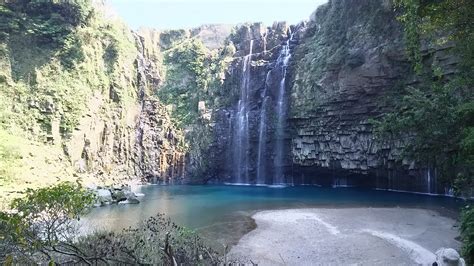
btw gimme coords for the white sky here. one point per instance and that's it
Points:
(166, 14)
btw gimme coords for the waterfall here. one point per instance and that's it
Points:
(241, 140)
(230, 152)
(282, 61)
(428, 183)
(262, 135)
(264, 39)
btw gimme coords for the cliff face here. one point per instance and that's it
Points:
(251, 139)
(136, 139)
(340, 69)
(262, 105)
(302, 100)
(81, 108)
(352, 56)
(350, 62)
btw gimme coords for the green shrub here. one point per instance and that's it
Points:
(467, 234)
(42, 224)
(192, 75)
(42, 228)
(156, 241)
(51, 21)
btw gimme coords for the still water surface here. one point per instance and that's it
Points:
(221, 213)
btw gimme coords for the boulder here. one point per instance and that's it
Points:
(131, 200)
(123, 194)
(448, 257)
(104, 196)
(119, 195)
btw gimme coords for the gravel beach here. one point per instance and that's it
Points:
(365, 236)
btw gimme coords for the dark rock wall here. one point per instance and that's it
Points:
(352, 56)
(264, 81)
(346, 64)
(350, 62)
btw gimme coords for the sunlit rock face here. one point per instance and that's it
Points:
(136, 140)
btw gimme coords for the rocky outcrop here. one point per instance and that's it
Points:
(129, 140)
(116, 194)
(448, 257)
(159, 154)
(213, 36)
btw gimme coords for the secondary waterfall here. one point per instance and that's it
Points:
(262, 135)
(281, 110)
(241, 140)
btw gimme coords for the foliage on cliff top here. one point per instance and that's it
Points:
(193, 74)
(331, 43)
(51, 24)
(54, 56)
(431, 23)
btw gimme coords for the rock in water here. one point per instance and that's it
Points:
(104, 196)
(449, 257)
(119, 195)
(131, 200)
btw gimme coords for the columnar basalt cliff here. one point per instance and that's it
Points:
(116, 140)
(351, 60)
(133, 140)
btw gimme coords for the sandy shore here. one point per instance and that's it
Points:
(365, 236)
